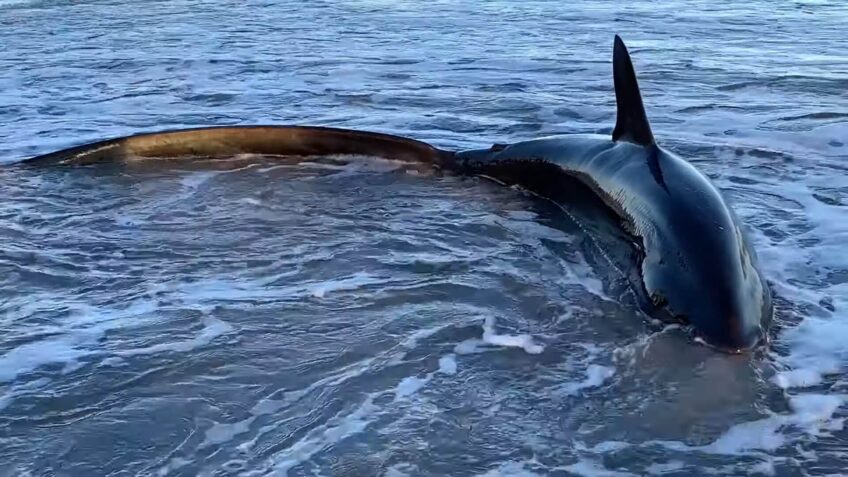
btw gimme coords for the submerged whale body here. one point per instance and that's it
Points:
(694, 263)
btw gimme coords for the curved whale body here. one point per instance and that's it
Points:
(227, 141)
(695, 263)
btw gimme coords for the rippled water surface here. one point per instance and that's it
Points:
(357, 317)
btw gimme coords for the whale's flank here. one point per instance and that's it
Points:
(267, 140)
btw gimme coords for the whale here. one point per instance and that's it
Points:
(693, 263)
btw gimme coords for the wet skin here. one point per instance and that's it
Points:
(695, 264)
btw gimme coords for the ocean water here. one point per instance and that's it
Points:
(362, 318)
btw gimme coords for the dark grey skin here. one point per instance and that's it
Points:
(694, 263)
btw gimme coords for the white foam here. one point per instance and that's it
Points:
(798, 378)
(412, 340)
(62, 349)
(522, 341)
(812, 414)
(212, 328)
(814, 411)
(595, 376)
(755, 435)
(400, 470)
(265, 169)
(334, 380)
(22, 389)
(225, 432)
(569, 314)
(321, 165)
(605, 447)
(356, 164)
(267, 406)
(510, 469)
(79, 333)
(412, 384)
(113, 362)
(490, 337)
(336, 430)
(189, 185)
(173, 464)
(354, 282)
(818, 347)
(469, 346)
(217, 290)
(409, 386)
(447, 364)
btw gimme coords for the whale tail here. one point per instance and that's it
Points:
(631, 121)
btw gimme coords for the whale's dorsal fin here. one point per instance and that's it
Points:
(631, 123)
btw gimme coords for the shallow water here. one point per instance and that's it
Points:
(361, 318)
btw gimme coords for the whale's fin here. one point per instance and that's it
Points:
(631, 123)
